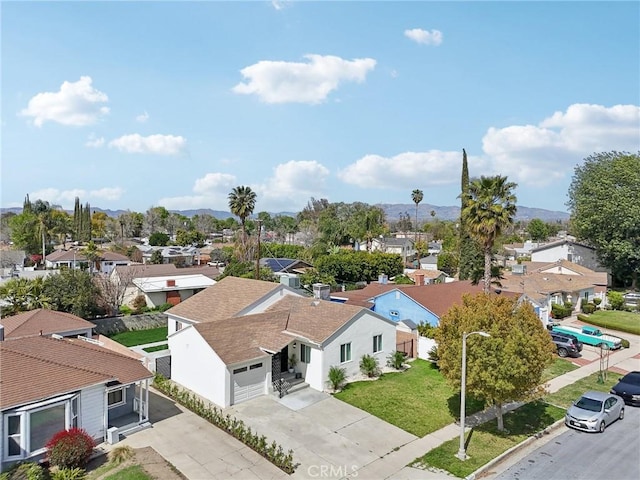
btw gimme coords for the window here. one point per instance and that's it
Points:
(178, 325)
(394, 313)
(377, 343)
(74, 411)
(240, 370)
(44, 424)
(116, 397)
(305, 353)
(345, 352)
(255, 365)
(14, 435)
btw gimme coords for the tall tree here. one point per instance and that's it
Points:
(604, 199)
(470, 253)
(242, 201)
(92, 254)
(73, 291)
(417, 197)
(538, 230)
(490, 207)
(505, 367)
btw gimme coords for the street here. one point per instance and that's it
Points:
(579, 455)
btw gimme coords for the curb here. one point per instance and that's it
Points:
(524, 443)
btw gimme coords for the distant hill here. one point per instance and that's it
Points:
(392, 211)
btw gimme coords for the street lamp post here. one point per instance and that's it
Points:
(462, 454)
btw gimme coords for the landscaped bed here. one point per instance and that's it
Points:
(132, 338)
(156, 348)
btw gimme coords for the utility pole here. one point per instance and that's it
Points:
(259, 222)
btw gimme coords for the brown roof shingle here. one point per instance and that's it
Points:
(36, 368)
(42, 321)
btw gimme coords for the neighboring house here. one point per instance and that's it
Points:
(51, 384)
(427, 277)
(74, 258)
(400, 246)
(243, 332)
(520, 250)
(570, 250)
(434, 248)
(45, 322)
(11, 261)
(280, 266)
(171, 289)
(185, 256)
(430, 262)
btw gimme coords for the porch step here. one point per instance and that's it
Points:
(297, 387)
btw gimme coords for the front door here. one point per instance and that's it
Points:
(284, 359)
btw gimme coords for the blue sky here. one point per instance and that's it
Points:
(133, 105)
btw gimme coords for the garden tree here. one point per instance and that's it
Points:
(477, 275)
(155, 219)
(62, 225)
(349, 266)
(281, 250)
(112, 289)
(313, 209)
(158, 239)
(92, 253)
(99, 224)
(332, 228)
(21, 295)
(5, 227)
(81, 221)
(131, 224)
(505, 367)
(73, 291)
(176, 221)
(156, 257)
(417, 197)
(404, 223)
(604, 200)
(311, 276)
(538, 230)
(490, 206)
(363, 222)
(191, 237)
(268, 223)
(204, 223)
(224, 254)
(284, 226)
(470, 252)
(242, 201)
(134, 254)
(24, 232)
(448, 262)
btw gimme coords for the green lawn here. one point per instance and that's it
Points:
(134, 472)
(140, 337)
(567, 395)
(418, 400)
(615, 320)
(164, 346)
(485, 442)
(557, 368)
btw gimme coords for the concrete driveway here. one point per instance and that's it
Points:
(330, 438)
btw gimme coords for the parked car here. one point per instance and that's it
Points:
(628, 387)
(594, 411)
(566, 345)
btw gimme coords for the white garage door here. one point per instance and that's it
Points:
(248, 382)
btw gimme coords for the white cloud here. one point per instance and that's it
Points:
(76, 103)
(310, 82)
(540, 154)
(292, 184)
(66, 198)
(280, 4)
(211, 191)
(94, 142)
(142, 118)
(155, 144)
(424, 37)
(212, 183)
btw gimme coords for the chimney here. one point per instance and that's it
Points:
(1, 333)
(419, 278)
(171, 283)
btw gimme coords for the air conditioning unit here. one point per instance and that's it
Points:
(289, 280)
(113, 435)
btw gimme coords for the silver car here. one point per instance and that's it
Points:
(594, 411)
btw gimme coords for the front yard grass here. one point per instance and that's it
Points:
(417, 400)
(132, 338)
(569, 394)
(133, 472)
(615, 320)
(557, 368)
(157, 348)
(485, 442)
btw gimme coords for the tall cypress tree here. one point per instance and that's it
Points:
(26, 206)
(86, 222)
(77, 219)
(471, 257)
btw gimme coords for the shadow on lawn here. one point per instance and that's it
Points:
(473, 405)
(526, 420)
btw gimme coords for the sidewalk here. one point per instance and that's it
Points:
(394, 465)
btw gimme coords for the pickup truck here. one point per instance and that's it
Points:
(590, 336)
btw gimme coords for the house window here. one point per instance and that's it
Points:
(44, 424)
(178, 325)
(345, 352)
(305, 353)
(14, 435)
(240, 370)
(377, 343)
(255, 365)
(116, 397)
(394, 313)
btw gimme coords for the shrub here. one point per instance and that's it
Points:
(24, 471)
(68, 474)
(70, 448)
(597, 301)
(396, 359)
(164, 307)
(369, 366)
(616, 300)
(561, 311)
(434, 355)
(426, 330)
(588, 308)
(139, 303)
(337, 377)
(120, 454)
(126, 310)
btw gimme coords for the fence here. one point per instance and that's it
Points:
(405, 347)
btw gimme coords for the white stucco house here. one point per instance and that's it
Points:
(243, 332)
(570, 250)
(171, 288)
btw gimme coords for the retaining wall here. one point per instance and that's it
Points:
(112, 325)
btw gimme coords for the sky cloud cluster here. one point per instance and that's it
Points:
(94, 142)
(298, 82)
(66, 198)
(424, 37)
(154, 144)
(142, 118)
(76, 104)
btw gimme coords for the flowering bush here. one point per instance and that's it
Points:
(70, 448)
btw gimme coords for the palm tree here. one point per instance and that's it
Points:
(417, 197)
(242, 201)
(489, 209)
(92, 254)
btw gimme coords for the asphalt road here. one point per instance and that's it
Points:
(614, 454)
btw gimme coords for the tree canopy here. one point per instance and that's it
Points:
(604, 199)
(505, 367)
